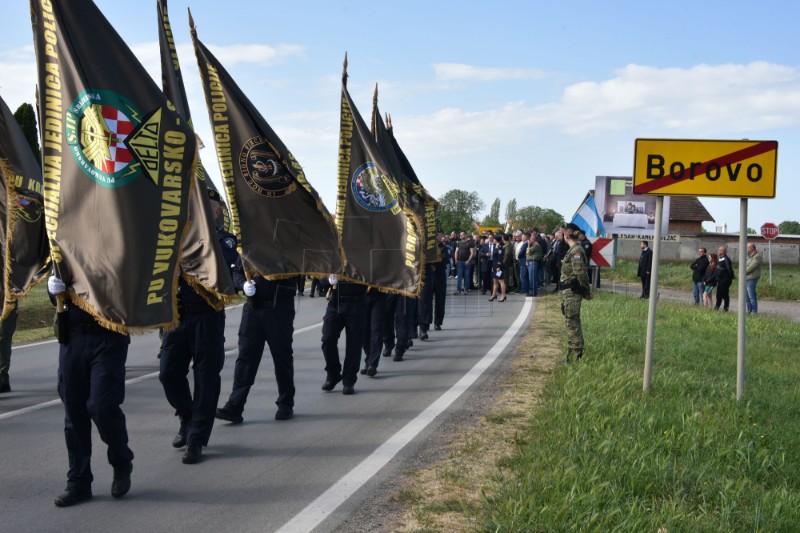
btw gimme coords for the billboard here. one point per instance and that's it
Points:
(624, 212)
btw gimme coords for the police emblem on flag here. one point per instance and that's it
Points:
(98, 122)
(28, 209)
(263, 171)
(372, 189)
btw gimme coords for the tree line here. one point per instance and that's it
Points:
(459, 209)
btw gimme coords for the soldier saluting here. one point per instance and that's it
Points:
(575, 281)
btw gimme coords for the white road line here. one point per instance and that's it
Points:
(339, 492)
(131, 381)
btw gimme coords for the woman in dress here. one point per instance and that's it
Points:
(710, 280)
(496, 265)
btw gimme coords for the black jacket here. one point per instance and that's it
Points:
(699, 267)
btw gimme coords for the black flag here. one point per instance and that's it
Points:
(118, 168)
(25, 253)
(379, 233)
(282, 226)
(203, 265)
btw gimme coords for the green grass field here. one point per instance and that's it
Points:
(674, 275)
(602, 455)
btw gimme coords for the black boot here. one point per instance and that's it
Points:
(194, 454)
(122, 480)
(180, 438)
(73, 495)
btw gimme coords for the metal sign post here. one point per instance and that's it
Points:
(742, 319)
(651, 312)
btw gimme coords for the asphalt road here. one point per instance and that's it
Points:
(307, 473)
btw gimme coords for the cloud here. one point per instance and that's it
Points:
(460, 72)
(255, 53)
(703, 99)
(18, 83)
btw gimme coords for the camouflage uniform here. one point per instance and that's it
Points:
(575, 281)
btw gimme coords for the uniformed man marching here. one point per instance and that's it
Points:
(199, 341)
(346, 310)
(91, 385)
(267, 318)
(575, 281)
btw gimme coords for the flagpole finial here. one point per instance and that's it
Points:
(344, 70)
(192, 29)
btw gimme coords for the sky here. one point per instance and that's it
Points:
(521, 99)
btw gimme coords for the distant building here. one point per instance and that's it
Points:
(687, 214)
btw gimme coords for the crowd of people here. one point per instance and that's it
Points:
(521, 262)
(715, 272)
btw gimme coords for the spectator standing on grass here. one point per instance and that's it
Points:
(710, 280)
(645, 265)
(752, 275)
(725, 276)
(699, 267)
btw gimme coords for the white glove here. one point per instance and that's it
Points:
(333, 279)
(55, 286)
(249, 288)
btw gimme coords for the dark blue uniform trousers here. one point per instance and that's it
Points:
(439, 292)
(399, 322)
(348, 314)
(91, 384)
(270, 323)
(373, 333)
(425, 302)
(198, 340)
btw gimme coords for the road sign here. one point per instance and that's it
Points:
(769, 231)
(602, 253)
(683, 167)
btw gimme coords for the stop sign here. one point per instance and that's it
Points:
(769, 231)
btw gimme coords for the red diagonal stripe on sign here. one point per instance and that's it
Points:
(728, 159)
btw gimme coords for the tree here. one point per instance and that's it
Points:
(26, 118)
(546, 220)
(458, 209)
(493, 218)
(511, 212)
(789, 227)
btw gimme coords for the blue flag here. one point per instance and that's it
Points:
(588, 219)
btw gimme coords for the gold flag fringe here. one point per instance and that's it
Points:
(12, 198)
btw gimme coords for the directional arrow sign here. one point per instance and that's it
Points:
(602, 253)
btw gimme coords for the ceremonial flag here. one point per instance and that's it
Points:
(281, 224)
(25, 254)
(118, 166)
(588, 219)
(203, 264)
(431, 206)
(379, 234)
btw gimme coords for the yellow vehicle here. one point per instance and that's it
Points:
(493, 229)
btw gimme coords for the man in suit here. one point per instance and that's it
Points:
(645, 265)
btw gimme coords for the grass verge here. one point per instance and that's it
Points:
(587, 450)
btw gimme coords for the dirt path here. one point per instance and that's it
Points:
(786, 309)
